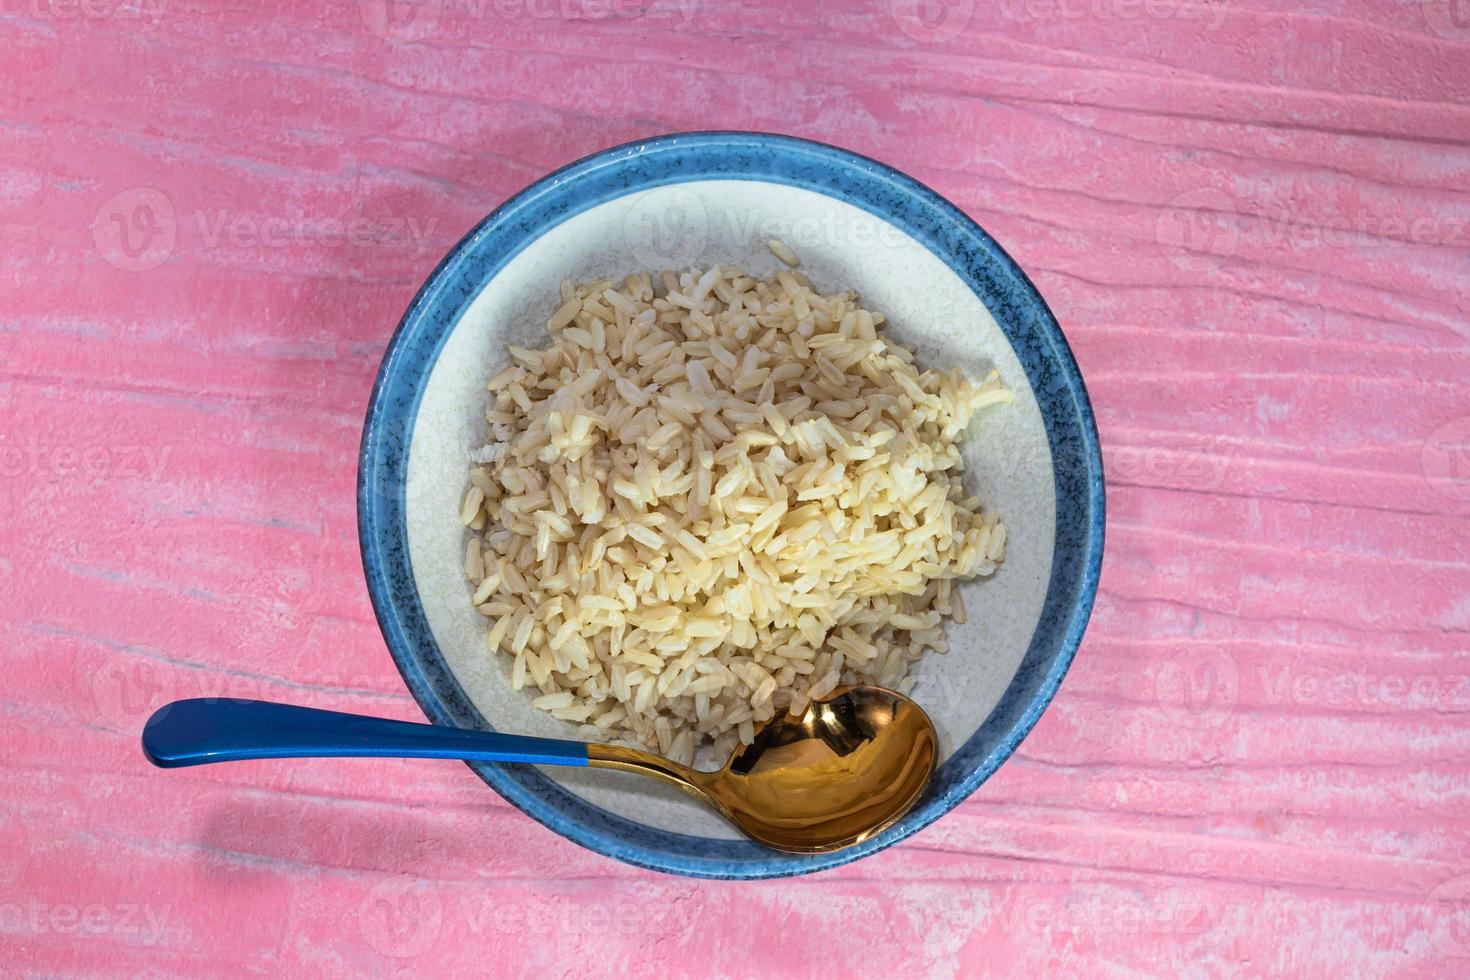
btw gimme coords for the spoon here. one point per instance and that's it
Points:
(841, 771)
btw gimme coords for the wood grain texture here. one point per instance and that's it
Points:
(1253, 221)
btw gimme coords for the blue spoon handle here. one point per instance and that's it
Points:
(200, 730)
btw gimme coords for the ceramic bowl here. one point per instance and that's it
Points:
(950, 293)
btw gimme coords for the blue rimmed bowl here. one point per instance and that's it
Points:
(949, 292)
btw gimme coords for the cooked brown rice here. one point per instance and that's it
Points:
(712, 497)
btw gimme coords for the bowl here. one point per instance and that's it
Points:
(949, 292)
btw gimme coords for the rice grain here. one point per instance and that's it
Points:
(707, 503)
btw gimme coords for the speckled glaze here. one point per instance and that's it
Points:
(980, 263)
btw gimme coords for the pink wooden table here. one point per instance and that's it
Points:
(1253, 223)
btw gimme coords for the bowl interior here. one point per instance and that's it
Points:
(948, 291)
(726, 221)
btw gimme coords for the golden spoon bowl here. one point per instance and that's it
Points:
(840, 772)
